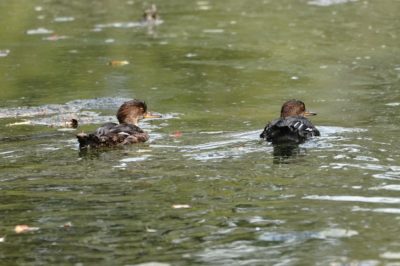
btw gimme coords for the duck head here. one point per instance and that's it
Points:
(132, 111)
(295, 108)
(150, 14)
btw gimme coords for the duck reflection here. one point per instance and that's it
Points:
(285, 153)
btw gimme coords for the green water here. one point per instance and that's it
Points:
(217, 71)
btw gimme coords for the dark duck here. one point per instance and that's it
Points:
(126, 132)
(292, 127)
(150, 15)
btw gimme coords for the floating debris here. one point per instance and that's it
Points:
(150, 230)
(190, 55)
(23, 228)
(64, 19)
(55, 37)
(118, 63)
(4, 53)
(181, 206)
(2, 239)
(109, 41)
(213, 30)
(67, 225)
(72, 123)
(39, 31)
(176, 134)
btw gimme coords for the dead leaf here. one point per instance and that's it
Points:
(118, 63)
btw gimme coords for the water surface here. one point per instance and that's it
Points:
(204, 190)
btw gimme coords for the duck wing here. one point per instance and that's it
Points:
(105, 129)
(295, 129)
(122, 134)
(112, 134)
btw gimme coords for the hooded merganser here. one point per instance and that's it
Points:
(150, 15)
(126, 132)
(292, 126)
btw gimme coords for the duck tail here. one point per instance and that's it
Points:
(87, 140)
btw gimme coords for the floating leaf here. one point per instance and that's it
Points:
(118, 63)
(23, 228)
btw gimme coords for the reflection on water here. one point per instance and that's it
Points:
(217, 71)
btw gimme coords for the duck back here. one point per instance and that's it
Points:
(291, 129)
(112, 134)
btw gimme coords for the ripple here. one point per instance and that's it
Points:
(387, 187)
(390, 175)
(329, 2)
(39, 31)
(303, 236)
(63, 19)
(388, 200)
(127, 25)
(390, 255)
(57, 114)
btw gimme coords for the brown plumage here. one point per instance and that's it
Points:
(126, 132)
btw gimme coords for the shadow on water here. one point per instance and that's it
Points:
(285, 153)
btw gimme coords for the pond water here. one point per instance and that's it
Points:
(204, 190)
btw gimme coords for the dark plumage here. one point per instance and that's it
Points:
(113, 134)
(292, 126)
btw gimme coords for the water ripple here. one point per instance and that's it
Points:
(388, 200)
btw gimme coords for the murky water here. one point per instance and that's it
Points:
(204, 190)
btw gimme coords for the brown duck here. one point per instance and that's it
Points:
(126, 132)
(292, 126)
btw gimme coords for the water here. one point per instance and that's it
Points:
(204, 190)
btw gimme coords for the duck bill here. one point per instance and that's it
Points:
(150, 115)
(307, 113)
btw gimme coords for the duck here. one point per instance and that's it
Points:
(150, 15)
(293, 126)
(126, 132)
